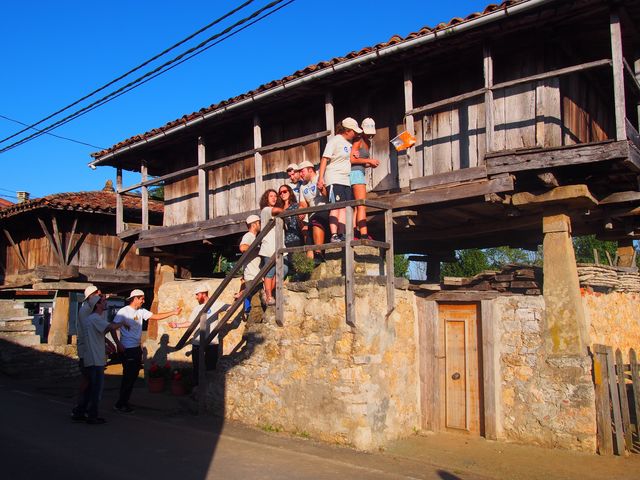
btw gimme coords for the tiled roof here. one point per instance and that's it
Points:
(303, 72)
(94, 202)
(5, 203)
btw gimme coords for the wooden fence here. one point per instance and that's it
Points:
(617, 388)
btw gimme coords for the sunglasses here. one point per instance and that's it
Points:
(283, 191)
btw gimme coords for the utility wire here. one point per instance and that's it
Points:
(157, 71)
(145, 63)
(29, 127)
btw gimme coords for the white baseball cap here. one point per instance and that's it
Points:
(292, 166)
(306, 164)
(200, 288)
(369, 126)
(90, 290)
(136, 293)
(252, 218)
(351, 124)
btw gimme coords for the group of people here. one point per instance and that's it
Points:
(92, 326)
(340, 177)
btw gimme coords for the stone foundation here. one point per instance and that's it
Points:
(546, 399)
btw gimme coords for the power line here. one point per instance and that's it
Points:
(154, 73)
(48, 133)
(124, 75)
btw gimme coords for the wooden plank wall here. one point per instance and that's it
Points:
(585, 115)
(231, 188)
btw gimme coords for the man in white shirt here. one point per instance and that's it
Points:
(129, 343)
(293, 172)
(312, 196)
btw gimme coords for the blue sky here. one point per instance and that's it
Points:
(55, 52)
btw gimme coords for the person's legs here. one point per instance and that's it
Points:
(96, 375)
(131, 364)
(195, 362)
(360, 193)
(80, 410)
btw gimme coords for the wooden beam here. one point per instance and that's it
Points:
(490, 370)
(575, 195)
(636, 70)
(620, 197)
(122, 253)
(119, 205)
(456, 176)
(76, 247)
(257, 157)
(16, 248)
(203, 195)
(548, 179)
(457, 192)
(618, 75)
(409, 125)
(488, 97)
(56, 272)
(389, 261)
(61, 285)
(507, 162)
(51, 242)
(107, 275)
(330, 121)
(349, 271)
(145, 195)
(70, 240)
(58, 239)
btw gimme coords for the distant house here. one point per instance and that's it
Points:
(52, 247)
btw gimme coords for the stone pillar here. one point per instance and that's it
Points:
(59, 330)
(566, 326)
(625, 253)
(163, 274)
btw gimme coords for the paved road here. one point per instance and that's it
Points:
(38, 440)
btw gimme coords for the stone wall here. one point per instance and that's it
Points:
(316, 376)
(545, 400)
(613, 319)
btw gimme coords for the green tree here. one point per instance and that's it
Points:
(157, 193)
(584, 247)
(400, 266)
(469, 263)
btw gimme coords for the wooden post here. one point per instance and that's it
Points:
(635, 380)
(488, 98)
(328, 113)
(618, 76)
(489, 371)
(636, 69)
(429, 380)
(202, 367)
(203, 196)
(388, 237)
(59, 320)
(17, 250)
(603, 409)
(349, 270)
(615, 403)
(257, 157)
(625, 253)
(119, 206)
(624, 401)
(145, 196)
(67, 260)
(279, 234)
(408, 106)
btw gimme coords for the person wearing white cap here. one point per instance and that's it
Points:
(94, 360)
(252, 267)
(211, 352)
(293, 172)
(335, 167)
(361, 159)
(312, 196)
(132, 317)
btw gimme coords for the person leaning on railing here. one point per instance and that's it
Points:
(270, 206)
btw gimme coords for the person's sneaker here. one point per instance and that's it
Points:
(271, 301)
(335, 238)
(342, 237)
(124, 409)
(96, 421)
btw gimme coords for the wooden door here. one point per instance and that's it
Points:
(459, 377)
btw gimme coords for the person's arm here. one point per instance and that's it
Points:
(163, 315)
(276, 211)
(118, 320)
(323, 167)
(243, 247)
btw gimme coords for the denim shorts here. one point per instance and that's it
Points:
(272, 271)
(339, 193)
(357, 177)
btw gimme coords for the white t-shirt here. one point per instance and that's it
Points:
(253, 266)
(133, 319)
(311, 194)
(81, 327)
(94, 351)
(213, 318)
(268, 245)
(296, 188)
(338, 151)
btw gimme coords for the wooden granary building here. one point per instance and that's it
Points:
(526, 123)
(53, 247)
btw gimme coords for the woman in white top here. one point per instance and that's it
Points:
(270, 206)
(361, 159)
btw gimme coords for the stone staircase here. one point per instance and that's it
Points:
(16, 325)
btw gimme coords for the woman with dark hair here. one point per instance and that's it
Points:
(270, 206)
(293, 224)
(361, 159)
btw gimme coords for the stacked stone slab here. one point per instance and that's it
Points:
(16, 325)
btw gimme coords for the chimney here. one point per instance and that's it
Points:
(22, 196)
(108, 186)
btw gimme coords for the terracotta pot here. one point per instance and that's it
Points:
(177, 388)
(156, 385)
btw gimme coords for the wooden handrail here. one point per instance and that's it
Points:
(242, 261)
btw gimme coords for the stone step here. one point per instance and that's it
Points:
(9, 307)
(17, 326)
(26, 339)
